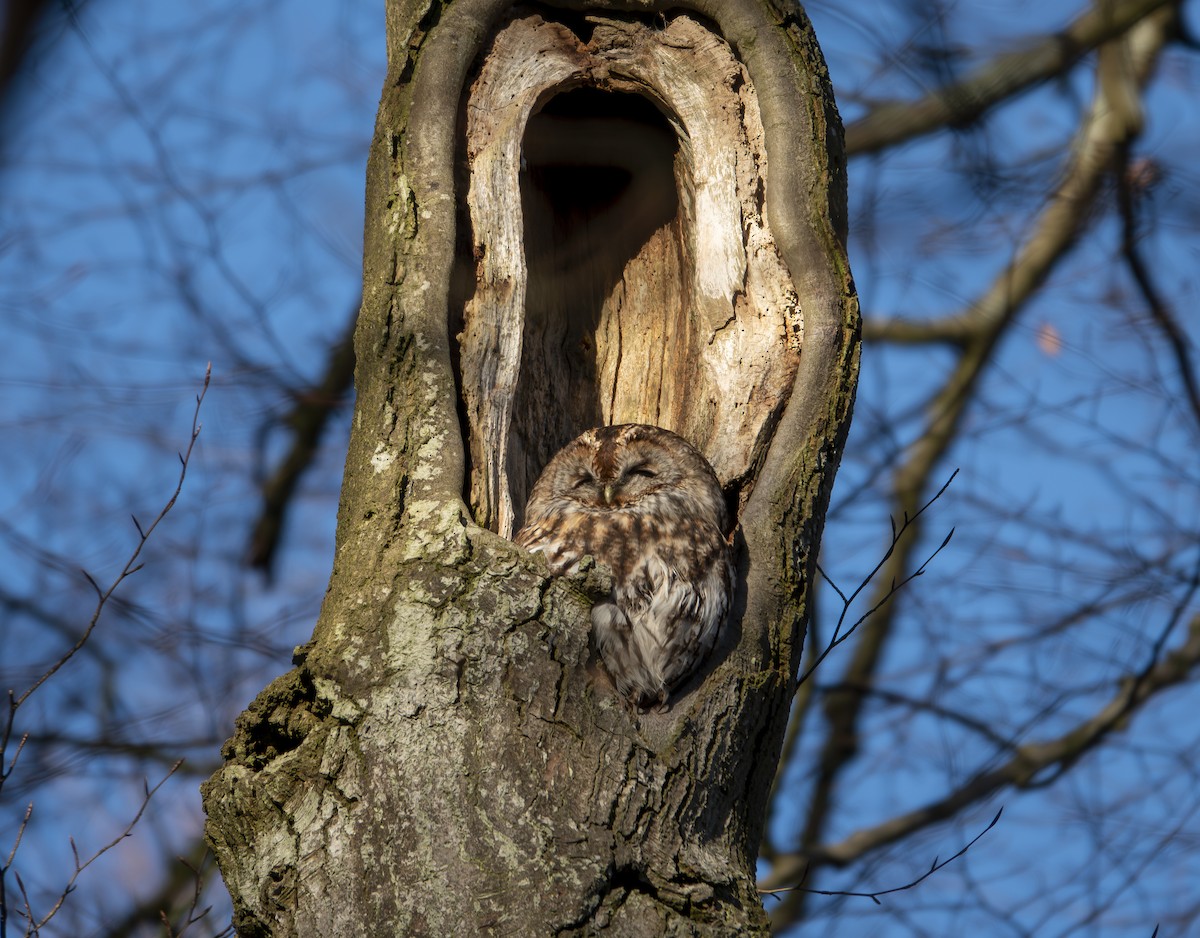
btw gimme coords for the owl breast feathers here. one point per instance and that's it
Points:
(647, 505)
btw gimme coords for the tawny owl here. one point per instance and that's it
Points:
(646, 504)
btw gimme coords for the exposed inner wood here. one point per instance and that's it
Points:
(624, 267)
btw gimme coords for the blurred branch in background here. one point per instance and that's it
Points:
(29, 31)
(997, 81)
(311, 412)
(22, 19)
(979, 327)
(182, 182)
(1133, 180)
(1106, 132)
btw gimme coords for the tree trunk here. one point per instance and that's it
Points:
(570, 221)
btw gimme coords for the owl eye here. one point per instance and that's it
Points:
(644, 471)
(583, 480)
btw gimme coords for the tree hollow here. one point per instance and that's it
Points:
(623, 269)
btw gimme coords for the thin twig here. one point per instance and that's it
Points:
(131, 566)
(874, 896)
(839, 636)
(104, 595)
(1028, 766)
(192, 916)
(15, 701)
(35, 925)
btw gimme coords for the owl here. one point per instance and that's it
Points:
(646, 504)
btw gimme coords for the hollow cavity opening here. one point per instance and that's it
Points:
(603, 251)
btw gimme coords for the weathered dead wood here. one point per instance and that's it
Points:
(668, 303)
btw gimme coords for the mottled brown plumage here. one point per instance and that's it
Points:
(647, 505)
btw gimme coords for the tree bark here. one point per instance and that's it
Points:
(577, 213)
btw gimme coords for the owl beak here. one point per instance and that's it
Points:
(607, 494)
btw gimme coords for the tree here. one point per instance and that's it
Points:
(182, 183)
(438, 729)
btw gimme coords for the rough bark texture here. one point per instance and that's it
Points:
(438, 762)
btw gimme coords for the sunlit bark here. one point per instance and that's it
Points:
(438, 762)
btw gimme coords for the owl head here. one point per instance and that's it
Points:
(628, 468)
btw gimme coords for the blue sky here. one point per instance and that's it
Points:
(183, 185)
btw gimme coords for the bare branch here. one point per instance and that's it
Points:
(982, 325)
(1131, 179)
(307, 420)
(6, 772)
(176, 905)
(26, 908)
(131, 566)
(839, 635)
(36, 924)
(995, 82)
(1030, 766)
(874, 896)
(17, 840)
(103, 596)
(1068, 209)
